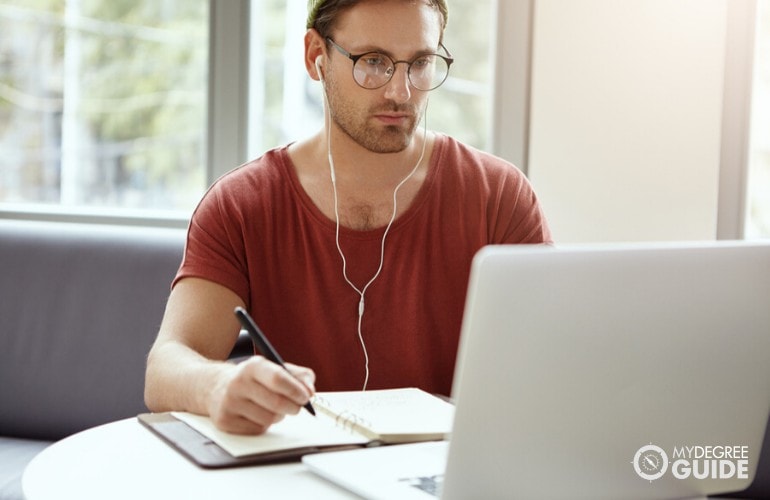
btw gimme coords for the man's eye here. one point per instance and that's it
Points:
(422, 62)
(374, 60)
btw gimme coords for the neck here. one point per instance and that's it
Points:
(367, 214)
(365, 181)
(354, 164)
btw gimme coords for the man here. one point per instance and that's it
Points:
(352, 248)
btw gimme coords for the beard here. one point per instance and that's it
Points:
(377, 138)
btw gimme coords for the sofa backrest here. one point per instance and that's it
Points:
(80, 306)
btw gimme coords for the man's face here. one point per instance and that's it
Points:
(382, 120)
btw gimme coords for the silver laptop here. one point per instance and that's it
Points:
(615, 371)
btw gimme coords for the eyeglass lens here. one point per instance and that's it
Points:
(374, 70)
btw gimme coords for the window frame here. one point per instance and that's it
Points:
(736, 120)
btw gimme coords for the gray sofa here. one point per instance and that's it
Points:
(80, 306)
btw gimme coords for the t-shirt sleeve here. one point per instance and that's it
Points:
(215, 246)
(520, 217)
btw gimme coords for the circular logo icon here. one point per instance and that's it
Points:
(650, 462)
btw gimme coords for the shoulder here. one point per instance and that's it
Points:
(257, 181)
(470, 163)
(269, 167)
(493, 187)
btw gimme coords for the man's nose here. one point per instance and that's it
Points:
(398, 88)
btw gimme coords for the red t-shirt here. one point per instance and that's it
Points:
(257, 232)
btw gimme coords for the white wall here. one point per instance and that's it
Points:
(626, 117)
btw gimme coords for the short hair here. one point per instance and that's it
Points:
(323, 14)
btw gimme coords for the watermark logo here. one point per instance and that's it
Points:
(651, 462)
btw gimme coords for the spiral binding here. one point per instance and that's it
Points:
(345, 418)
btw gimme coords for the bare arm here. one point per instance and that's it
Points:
(187, 368)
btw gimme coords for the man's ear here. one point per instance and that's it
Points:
(315, 48)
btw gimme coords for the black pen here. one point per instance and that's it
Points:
(264, 345)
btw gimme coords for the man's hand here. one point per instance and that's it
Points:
(187, 368)
(251, 396)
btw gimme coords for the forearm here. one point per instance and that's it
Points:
(187, 362)
(187, 368)
(178, 378)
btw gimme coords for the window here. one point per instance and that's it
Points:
(103, 103)
(758, 210)
(461, 107)
(106, 105)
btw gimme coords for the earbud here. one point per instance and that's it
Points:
(318, 67)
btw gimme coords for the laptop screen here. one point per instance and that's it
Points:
(612, 371)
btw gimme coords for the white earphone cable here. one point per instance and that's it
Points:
(362, 291)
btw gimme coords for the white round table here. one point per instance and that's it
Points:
(124, 460)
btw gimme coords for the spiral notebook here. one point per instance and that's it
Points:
(344, 420)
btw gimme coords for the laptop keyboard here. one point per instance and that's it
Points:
(429, 484)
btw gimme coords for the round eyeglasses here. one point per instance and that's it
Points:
(373, 70)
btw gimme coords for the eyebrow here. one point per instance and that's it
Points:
(374, 48)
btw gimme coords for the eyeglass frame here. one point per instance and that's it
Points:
(355, 58)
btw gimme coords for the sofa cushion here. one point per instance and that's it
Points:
(80, 306)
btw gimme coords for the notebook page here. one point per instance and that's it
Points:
(402, 412)
(294, 431)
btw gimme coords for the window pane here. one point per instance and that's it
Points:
(758, 217)
(286, 105)
(103, 102)
(461, 107)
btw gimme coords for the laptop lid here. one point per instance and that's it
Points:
(616, 371)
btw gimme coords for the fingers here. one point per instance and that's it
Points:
(258, 393)
(277, 389)
(242, 417)
(304, 375)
